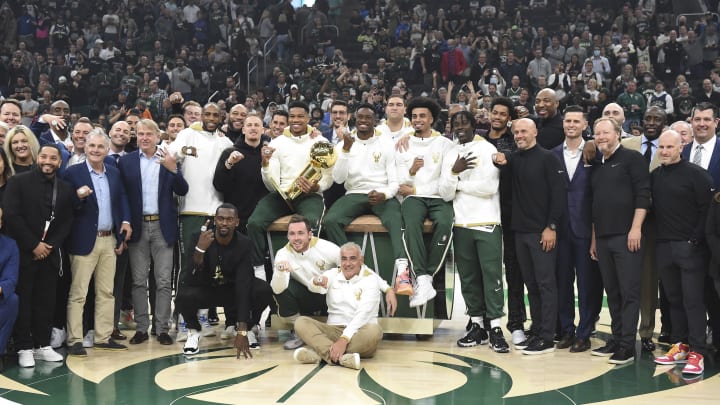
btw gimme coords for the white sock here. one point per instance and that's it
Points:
(495, 323)
(477, 319)
(260, 272)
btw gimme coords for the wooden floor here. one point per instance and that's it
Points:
(404, 371)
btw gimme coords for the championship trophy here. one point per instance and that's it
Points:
(322, 156)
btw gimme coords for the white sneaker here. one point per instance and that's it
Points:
(252, 339)
(403, 281)
(518, 336)
(293, 343)
(306, 356)
(47, 354)
(350, 360)
(207, 329)
(182, 333)
(228, 333)
(192, 345)
(89, 339)
(424, 291)
(26, 358)
(57, 338)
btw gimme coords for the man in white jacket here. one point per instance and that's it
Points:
(283, 161)
(366, 164)
(296, 265)
(353, 294)
(471, 180)
(419, 174)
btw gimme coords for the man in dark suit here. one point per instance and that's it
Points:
(705, 152)
(151, 177)
(339, 116)
(38, 215)
(100, 229)
(574, 241)
(52, 128)
(9, 264)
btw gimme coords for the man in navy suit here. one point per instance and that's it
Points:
(52, 128)
(100, 230)
(705, 152)
(339, 116)
(574, 241)
(150, 177)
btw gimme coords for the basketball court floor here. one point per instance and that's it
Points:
(404, 371)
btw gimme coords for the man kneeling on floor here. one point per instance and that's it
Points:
(353, 298)
(219, 273)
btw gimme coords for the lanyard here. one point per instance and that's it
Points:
(52, 209)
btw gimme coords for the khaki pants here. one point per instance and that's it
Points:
(320, 337)
(100, 263)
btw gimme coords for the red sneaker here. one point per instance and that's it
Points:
(695, 364)
(677, 354)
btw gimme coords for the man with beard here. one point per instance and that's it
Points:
(283, 161)
(549, 123)
(621, 196)
(502, 112)
(538, 207)
(100, 232)
(419, 170)
(471, 181)
(237, 173)
(574, 242)
(304, 258)
(39, 223)
(395, 124)
(53, 127)
(221, 275)
(235, 123)
(366, 164)
(653, 123)
(198, 148)
(152, 178)
(119, 139)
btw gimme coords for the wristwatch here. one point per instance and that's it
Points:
(552, 227)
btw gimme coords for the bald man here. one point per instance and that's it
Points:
(616, 112)
(538, 206)
(549, 123)
(681, 193)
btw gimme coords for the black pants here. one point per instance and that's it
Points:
(682, 268)
(192, 298)
(621, 270)
(538, 271)
(36, 291)
(517, 314)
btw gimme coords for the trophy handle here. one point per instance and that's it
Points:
(284, 195)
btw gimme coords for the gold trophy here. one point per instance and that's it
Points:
(322, 156)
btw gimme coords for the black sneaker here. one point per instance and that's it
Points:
(110, 345)
(607, 350)
(475, 336)
(622, 355)
(77, 350)
(527, 342)
(539, 346)
(497, 341)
